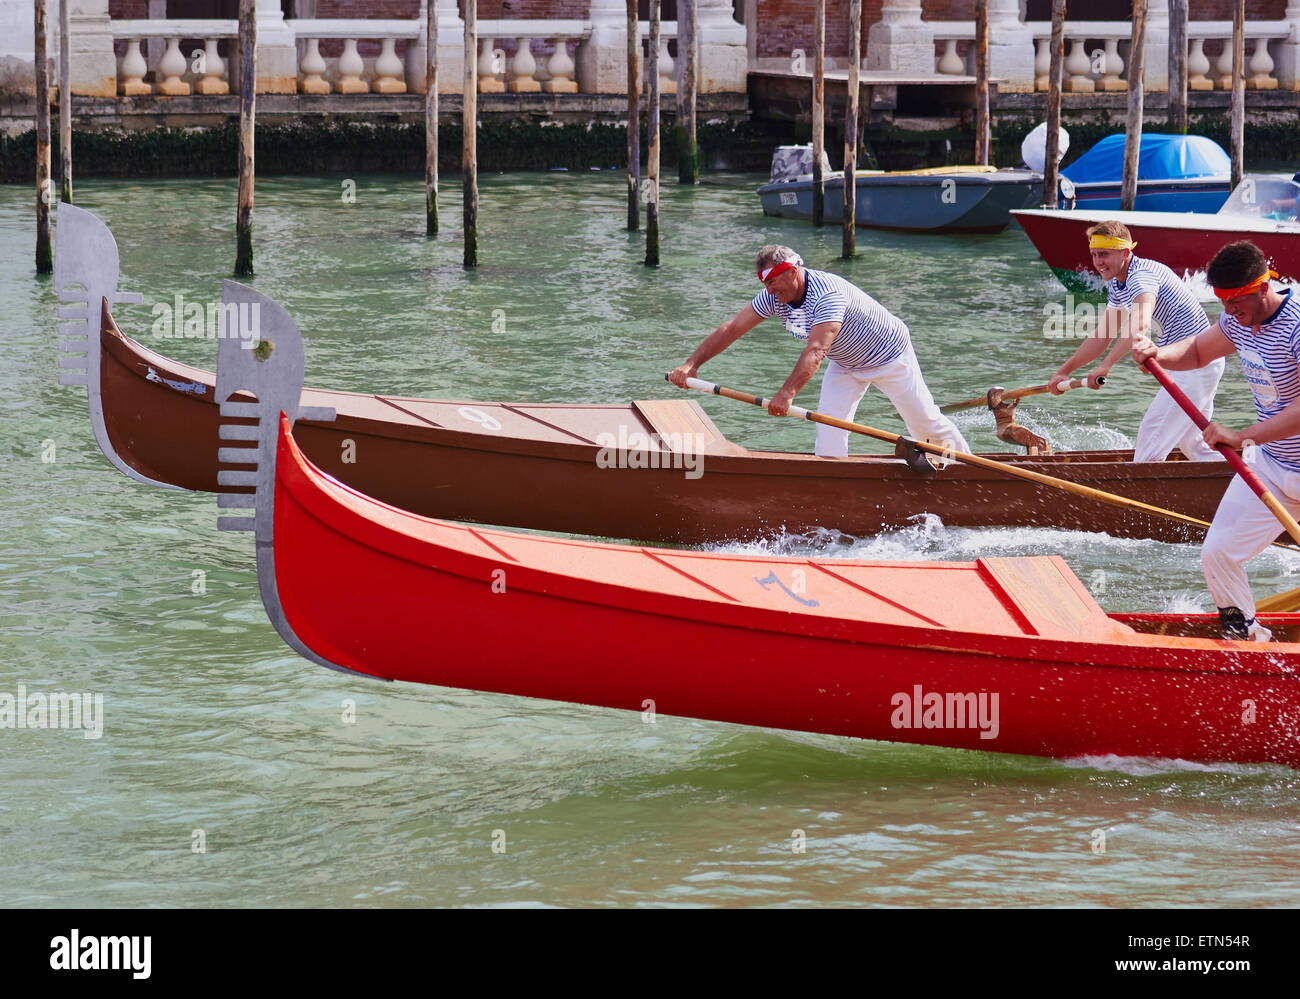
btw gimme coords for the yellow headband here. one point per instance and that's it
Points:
(1109, 242)
(1099, 242)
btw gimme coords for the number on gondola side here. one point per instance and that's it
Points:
(486, 420)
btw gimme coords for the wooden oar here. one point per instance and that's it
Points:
(1280, 602)
(971, 459)
(1064, 384)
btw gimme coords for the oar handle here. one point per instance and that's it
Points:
(1063, 384)
(949, 454)
(1234, 459)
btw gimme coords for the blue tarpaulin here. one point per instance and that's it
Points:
(1160, 157)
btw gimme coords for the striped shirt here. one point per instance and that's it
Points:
(1271, 361)
(1177, 312)
(870, 335)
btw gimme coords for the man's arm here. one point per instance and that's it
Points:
(1139, 324)
(1091, 347)
(1275, 428)
(819, 341)
(715, 343)
(1192, 352)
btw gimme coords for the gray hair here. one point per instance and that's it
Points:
(775, 253)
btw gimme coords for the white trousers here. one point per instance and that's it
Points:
(1242, 528)
(1165, 426)
(900, 380)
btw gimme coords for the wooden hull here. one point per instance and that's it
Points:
(1017, 653)
(541, 467)
(1184, 242)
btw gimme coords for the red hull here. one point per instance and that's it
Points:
(1184, 242)
(819, 645)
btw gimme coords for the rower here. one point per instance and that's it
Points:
(1262, 325)
(1141, 290)
(867, 345)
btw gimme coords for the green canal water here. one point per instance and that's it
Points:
(230, 772)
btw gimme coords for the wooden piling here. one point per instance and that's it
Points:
(1051, 168)
(44, 256)
(1133, 127)
(851, 129)
(652, 159)
(1177, 66)
(1237, 123)
(469, 131)
(819, 113)
(983, 127)
(688, 56)
(431, 124)
(65, 103)
(633, 117)
(247, 112)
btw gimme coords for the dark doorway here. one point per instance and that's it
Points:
(1093, 10)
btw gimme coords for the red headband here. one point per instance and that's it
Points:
(781, 268)
(1226, 293)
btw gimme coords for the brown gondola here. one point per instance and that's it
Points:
(656, 470)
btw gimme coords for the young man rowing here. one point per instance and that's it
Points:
(1262, 325)
(1142, 290)
(867, 345)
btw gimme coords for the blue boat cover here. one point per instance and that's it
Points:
(1160, 157)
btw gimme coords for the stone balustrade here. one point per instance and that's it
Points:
(948, 60)
(1260, 64)
(515, 56)
(1096, 55)
(205, 72)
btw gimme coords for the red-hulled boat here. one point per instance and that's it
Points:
(1184, 241)
(552, 467)
(1011, 655)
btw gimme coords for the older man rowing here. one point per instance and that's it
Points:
(866, 344)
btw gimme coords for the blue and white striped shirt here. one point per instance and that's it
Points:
(1177, 312)
(1271, 361)
(870, 335)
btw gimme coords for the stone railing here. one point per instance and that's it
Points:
(205, 72)
(515, 55)
(946, 36)
(1259, 62)
(1093, 59)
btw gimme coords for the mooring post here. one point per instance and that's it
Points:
(819, 113)
(44, 256)
(1051, 168)
(247, 109)
(65, 103)
(851, 130)
(469, 133)
(633, 117)
(431, 122)
(983, 127)
(1178, 66)
(652, 160)
(1133, 127)
(688, 49)
(1237, 122)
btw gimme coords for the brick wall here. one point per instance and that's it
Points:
(125, 8)
(948, 10)
(785, 25)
